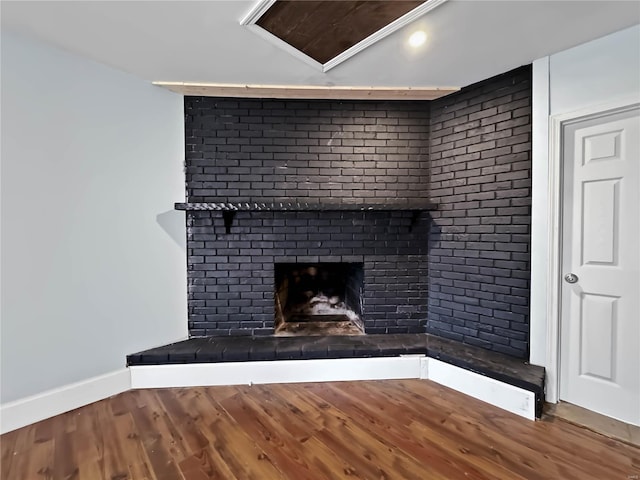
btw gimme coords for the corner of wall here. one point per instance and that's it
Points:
(539, 210)
(28, 410)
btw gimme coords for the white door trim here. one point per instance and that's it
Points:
(554, 271)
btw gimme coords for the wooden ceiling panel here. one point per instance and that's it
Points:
(307, 91)
(324, 29)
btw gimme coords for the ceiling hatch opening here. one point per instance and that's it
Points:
(325, 33)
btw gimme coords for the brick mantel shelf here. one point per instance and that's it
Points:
(229, 209)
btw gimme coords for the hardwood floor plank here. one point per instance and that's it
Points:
(371, 457)
(115, 457)
(529, 443)
(173, 400)
(202, 465)
(21, 451)
(207, 410)
(241, 453)
(90, 460)
(37, 460)
(303, 422)
(429, 465)
(151, 427)
(165, 425)
(41, 460)
(300, 423)
(399, 429)
(433, 449)
(8, 447)
(222, 392)
(64, 463)
(433, 424)
(330, 461)
(261, 427)
(140, 471)
(135, 457)
(235, 447)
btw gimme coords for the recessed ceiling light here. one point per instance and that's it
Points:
(417, 38)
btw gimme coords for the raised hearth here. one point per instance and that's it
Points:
(494, 365)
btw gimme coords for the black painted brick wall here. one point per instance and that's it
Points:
(311, 151)
(351, 152)
(479, 263)
(231, 276)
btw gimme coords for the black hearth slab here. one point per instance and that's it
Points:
(212, 353)
(262, 348)
(262, 351)
(185, 353)
(179, 352)
(491, 364)
(314, 350)
(288, 351)
(340, 350)
(364, 350)
(469, 356)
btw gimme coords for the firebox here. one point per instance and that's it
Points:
(319, 298)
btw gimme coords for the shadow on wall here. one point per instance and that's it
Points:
(172, 222)
(435, 234)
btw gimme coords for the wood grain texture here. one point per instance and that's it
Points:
(392, 429)
(325, 29)
(314, 92)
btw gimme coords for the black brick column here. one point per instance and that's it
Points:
(479, 260)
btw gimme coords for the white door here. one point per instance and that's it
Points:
(600, 317)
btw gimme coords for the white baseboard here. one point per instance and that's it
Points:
(502, 395)
(513, 399)
(281, 371)
(28, 410)
(32, 409)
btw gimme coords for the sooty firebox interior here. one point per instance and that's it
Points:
(319, 299)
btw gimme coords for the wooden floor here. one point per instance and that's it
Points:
(405, 429)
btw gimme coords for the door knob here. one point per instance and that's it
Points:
(571, 278)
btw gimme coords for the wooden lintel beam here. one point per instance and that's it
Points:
(307, 91)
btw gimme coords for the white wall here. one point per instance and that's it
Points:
(604, 70)
(90, 158)
(599, 72)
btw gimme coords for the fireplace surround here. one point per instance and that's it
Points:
(233, 292)
(272, 183)
(299, 181)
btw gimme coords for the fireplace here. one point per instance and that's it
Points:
(273, 181)
(331, 189)
(319, 298)
(234, 276)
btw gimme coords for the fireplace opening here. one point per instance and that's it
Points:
(319, 298)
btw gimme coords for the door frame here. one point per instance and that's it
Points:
(554, 238)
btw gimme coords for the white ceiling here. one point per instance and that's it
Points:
(187, 41)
